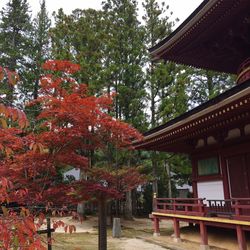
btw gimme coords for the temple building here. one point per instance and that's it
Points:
(216, 134)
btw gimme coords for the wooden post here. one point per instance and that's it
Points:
(154, 202)
(204, 237)
(156, 226)
(200, 206)
(237, 209)
(241, 238)
(49, 240)
(47, 231)
(177, 238)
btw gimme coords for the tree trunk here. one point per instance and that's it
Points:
(169, 180)
(154, 173)
(81, 209)
(36, 86)
(134, 203)
(81, 206)
(102, 224)
(210, 85)
(128, 213)
(128, 206)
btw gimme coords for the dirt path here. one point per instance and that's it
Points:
(135, 244)
(137, 235)
(86, 237)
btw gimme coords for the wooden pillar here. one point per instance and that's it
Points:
(156, 226)
(225, 177)
(154, 202)
(176, 230)
(241, 238)
(204, 237)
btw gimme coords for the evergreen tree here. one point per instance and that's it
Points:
(167, 96)
(124, 68)
(80, 37)
(157, 26)
(205, 85)
(126, 59)
(157, 75)
(39, 54)
(41, 26)
(15, 38)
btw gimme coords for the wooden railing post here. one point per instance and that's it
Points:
(174, 205)
(200, 206)
(154, 202)
(237, 209)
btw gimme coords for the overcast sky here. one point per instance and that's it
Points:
(181, 8)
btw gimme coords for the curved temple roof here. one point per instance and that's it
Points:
(215, 36)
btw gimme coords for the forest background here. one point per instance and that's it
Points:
(111, 47)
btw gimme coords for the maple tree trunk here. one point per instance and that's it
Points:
(128, 204)
(102, 224)
(81, 205)
(81, 209)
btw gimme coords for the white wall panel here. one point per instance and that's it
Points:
(212, 190)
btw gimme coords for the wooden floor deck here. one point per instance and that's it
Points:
(233, 214)
(206, 219)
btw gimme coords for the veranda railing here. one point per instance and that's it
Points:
(237, 208)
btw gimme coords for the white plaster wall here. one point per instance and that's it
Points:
(212, 190)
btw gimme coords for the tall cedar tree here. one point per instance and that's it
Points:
(125, 61)
(80, 37)
(15, 39)
(205, 85)
(157, 76)
(39, 54)
(41, 26)
(167, 96)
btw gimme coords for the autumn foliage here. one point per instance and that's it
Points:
(70, 124)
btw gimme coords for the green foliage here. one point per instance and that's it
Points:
(167, 95)
(205, 85)
(15, 30)
(125, 60)
(15, 38)
(41, 53)
(80, 38)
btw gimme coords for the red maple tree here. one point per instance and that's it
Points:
(70, 124)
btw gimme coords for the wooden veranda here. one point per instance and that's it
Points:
(230, 213)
